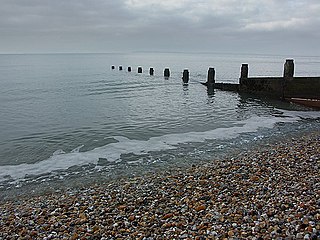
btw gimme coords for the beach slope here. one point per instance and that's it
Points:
(271, 193)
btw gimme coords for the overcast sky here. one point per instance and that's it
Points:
(241, 26)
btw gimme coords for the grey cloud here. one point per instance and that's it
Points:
(120, 25)
(60, 14)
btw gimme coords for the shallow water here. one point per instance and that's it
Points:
(66, 117)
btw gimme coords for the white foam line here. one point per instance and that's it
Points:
(112, 152)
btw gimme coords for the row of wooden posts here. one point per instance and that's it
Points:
(288, 73)
(285, 86)
(166, 74)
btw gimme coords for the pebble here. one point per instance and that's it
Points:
(270, 193)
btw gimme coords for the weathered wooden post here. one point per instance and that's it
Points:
(129, 69)
(288, 73)
(288, 70)
(244, 70)
(211, 77)
(244, 73)
(120, 68)
(151, 71)
(139, 69)
(166, 73)
(185, 76)
(113, 67)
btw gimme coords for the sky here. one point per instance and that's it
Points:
(230, 26)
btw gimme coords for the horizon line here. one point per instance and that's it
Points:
(157, 51)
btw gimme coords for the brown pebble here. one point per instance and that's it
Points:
(122, 207)
(168, 215)
(95, 228)
(74, 236)
(166, 225)
(230, 233)
(255, 178)
(200, 208)
(309, 228)
(33, 233)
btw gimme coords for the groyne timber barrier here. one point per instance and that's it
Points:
(286, 86)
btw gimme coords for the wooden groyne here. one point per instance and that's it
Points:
(285, 87)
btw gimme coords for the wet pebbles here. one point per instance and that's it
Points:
(273, 193)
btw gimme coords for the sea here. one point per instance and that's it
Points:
(70, 120)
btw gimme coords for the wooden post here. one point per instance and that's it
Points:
(288, 73)
(129, 69)
(211, 77)
(113, 67)
(139, 69)
(244, 71)
(288, 70)
(151, 71)
(185, 76)
(166, 72)
(120, 68)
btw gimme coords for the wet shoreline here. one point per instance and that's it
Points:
(269, 193)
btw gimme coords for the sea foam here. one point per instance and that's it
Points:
(112, 152)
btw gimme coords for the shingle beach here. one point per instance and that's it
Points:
(270, 193)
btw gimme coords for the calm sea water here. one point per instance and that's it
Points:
(69, 117)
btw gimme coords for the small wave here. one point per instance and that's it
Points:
(112, 152)
(58, 152)
(77, 149)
